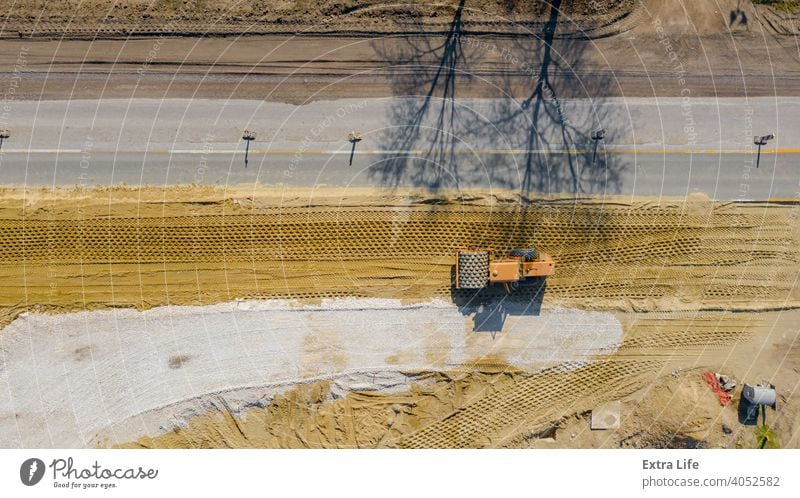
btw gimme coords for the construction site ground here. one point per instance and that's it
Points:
(260, 315)
(694, 284)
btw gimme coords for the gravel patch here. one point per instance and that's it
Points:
(66, 378)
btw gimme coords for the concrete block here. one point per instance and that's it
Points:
(606, 416)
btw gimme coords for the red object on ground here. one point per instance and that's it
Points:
(711, 380)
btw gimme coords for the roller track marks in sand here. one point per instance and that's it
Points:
(690, 255)
(531, 404)
(657, 342)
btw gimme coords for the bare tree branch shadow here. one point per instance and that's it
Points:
(427, 123)
(559, 156)
(525, 138)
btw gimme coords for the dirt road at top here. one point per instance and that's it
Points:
(636, 49)
(302, 69)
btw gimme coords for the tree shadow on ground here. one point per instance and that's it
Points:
(525, 138)
(488, 113)
(428, 67)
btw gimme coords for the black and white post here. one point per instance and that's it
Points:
(353, 138)
(248, 136)
(597, 135)
(4, 134)
(761, 141)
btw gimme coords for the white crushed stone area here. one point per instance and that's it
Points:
(65, 379)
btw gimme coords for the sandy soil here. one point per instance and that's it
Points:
(687, 263)
(108, 18)
(66, 250)
(228, 17)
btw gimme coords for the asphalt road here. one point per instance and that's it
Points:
(725, 176)
(670, 147)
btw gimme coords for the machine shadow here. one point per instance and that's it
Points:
(748, 413)
(489, 307)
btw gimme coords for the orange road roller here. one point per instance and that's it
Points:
(476, 268)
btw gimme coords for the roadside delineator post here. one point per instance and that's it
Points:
(353, 137)
(761, 141)
(597, 135)
(4, 134)
(248, 136)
